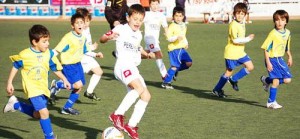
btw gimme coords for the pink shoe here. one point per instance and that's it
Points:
(118, 121)
(131, 131)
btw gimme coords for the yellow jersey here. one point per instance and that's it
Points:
(177, 30)
(72, 47)
(277, 43)
(235, 51)
(35, 70)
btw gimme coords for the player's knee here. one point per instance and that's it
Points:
(250, 68)
(287, 81)
(189, 64)
(140, 90)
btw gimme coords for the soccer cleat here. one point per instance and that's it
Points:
(113, 53)
(219, 93)
(234, 84)
(131, 131)
(9, 107)
(175, 76)
(91, 96)
(117, 120)
(167, 86)
(71, 111)
(265, 84)
(273, 105)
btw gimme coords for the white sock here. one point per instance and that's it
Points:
(161, 66)
(138, 112)
(127, 101)
(93, 83)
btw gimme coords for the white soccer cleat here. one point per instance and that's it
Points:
(265, 84)
(273, 105)
(9, 107)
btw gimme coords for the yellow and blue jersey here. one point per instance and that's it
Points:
(72, 47)
(177, 30)
(35, 68)
(235, 51)
(277, 43)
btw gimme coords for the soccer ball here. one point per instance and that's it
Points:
(112, 133)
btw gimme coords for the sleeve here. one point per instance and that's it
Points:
(17, 61)
(268, 43)
(63, 45)
(54, 63)
(164, 22)
(85, 48)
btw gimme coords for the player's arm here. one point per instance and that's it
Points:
(146, 55)
(243, 40)
(268, 63)
(110, 35)
(289, 54)
(170, 36)
(10, 88)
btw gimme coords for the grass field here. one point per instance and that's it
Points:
(187, 112)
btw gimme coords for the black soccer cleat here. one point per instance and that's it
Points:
(234, 84)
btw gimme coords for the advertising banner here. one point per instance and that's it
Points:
(38, 2)
(78, 2)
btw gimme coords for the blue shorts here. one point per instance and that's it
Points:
(179, 56)
(280, 69)
(74, 73)
(232, 64)
(38, 102)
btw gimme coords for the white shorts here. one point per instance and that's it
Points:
(128, 73)
(151, 44)
(88, 63)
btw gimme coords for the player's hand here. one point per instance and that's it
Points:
(179, 38)
(10, 89)
(290, 62)
(251, 36)
(99, 55)
(151, 55)
(269, 67)
(67, 84)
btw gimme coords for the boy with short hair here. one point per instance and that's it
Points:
(276, 44)
(89, 64)
(153, 20)
(178, 56)
(72, 48)
(234, 52)
(128, 56)
(35, 63)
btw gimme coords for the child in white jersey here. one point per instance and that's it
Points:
(128, 56)
(153, 20)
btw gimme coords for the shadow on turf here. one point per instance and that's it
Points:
(4, 133)
(206, 94)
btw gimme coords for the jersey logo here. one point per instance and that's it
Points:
(127, 73)
(151, 46)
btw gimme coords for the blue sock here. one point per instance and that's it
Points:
(221, 83)
(243, 72)
(60, 84)
(24, 108)
(269, 80)
(72, 99)
(281, 81)
(272, 96)
(170, 75)
(47, 128)
(183, 66)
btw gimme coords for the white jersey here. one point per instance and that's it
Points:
(86, 32)
(128, 48)
(152, 22)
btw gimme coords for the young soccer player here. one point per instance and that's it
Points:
(35, 63)
(88, 62)
(128, 56)
(234, 52)
(72, 48)
(153, 20)
(179, 57)
(276, 44)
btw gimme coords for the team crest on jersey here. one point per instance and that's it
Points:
(151, 46)
(127, 73)
(40, 58)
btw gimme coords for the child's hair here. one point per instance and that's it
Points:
(280, 14)
(240, 7)
(38, 31)
(150, 1)
(75, 16)
(136, 8)
(178, 10)
(85, 12)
